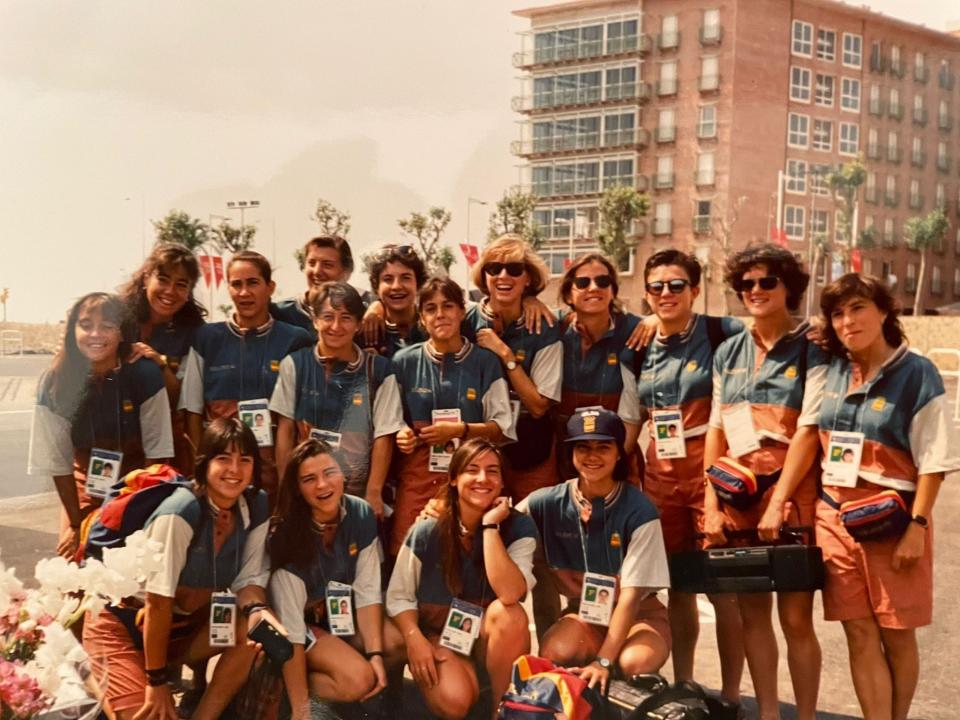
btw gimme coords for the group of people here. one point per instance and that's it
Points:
(386, 477)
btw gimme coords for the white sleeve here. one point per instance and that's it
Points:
(546, 371)
(813, 387)
(496, 407)
(930, 439)
(51, 450)
(521, 552)
(366, 583)
(716, 421)
(284, 398)
(402, 590)
(255, 567)
(175, 534)
(191, 390)
(156, 431)
(645, 562)
(387, 408)
(288, 597)
(629, 408)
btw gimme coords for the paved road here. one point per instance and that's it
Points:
(28, 524)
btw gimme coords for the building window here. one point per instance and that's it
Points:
(666, 125)
(822, 135)
(849, 138)
(619, 129)
(667, 85)
(915, 193)
(707, 125)
(802, 38)
(827, 45)
(911, 284)
(710, 30)
(664, 178)
(818, 179)
(888, 233)
(800, 84)
(798, 130)
(793, 219)
(896, 63)
(622, 36)
(820, 223)
(852, 50)
(796, 176)
(824, 90)
(621, 83)
(941, 154)
(618, 173)
(941, 197)
(893, 143)
(701, 216)
(709, 73)
(850, 94)
(705, 169)
(669, 36)
(662, 218)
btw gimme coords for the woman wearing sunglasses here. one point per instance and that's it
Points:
(508, 271)
(669, 384)
(767, 388)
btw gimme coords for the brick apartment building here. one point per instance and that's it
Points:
(700, 103)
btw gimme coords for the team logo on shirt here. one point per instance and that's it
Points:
(790, 372)
(615, 540)
(471, 394)
(879, 404)
(521, 354)
(275, 365)
(358, 399)
(352, 550)
(692, 365)
(612, 359)
(128, 405)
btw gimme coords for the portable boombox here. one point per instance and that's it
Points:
(767, 568)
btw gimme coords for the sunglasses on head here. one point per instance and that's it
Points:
(514, 269)
(401, 250)
(601, 281)
(674, 286)
(766, 283)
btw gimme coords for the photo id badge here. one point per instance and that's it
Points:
(596, 598)
(440, 454)
(223, 614)
(668, 434)
(738, 428)
(842, 464)
(330, 437)
(340, 608)
(462, 626)
(103, 471)
(256, 415)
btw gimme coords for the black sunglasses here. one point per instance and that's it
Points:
(674, 286)
(766, 283)
(514, 269)
(601, 281)
(401, 250)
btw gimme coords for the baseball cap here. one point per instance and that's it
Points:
(595, 424)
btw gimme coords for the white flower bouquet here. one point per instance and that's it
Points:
(44, 672)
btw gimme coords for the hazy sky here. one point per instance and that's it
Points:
(113, 112)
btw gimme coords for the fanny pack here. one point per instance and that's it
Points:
(881, 516)
(737, 485)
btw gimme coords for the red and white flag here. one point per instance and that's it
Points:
(471, 253)
(218, 269)
(856, 260)
(206, 267)
(779, 236)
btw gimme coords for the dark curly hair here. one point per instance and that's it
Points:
(869, 288)
(777, 260)
(376, 263)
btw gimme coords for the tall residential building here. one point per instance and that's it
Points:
(701, 103)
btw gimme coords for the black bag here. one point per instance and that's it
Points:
(650, 697)
(534, 441)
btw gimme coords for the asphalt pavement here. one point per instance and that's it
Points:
(28, 524)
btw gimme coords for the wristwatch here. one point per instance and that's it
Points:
(511, 365)
(921, 521)
(602, 662)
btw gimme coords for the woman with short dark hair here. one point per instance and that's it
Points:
(325, 258)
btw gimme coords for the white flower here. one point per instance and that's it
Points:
(10, 587)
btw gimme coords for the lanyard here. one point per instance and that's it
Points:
(595, 504)
(346, 398)
(665, 353)
(116, 407)
(213, 544)
(436, 380)
(579, 359)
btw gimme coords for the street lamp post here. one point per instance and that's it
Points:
(470, 202)
(242, 206)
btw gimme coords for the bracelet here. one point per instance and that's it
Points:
(251, 608)
(490, 526)
(372, 654)
(158, 677)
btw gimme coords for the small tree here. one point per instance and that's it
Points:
(4, 296)
(233, 239)
(618, 208)
(179, 227)
(427, 230)
(844, 182)
(723, 230)
(331, 221)
(514, 214)
(923, 233)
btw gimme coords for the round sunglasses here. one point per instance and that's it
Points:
(514, 269)
(601, 281)
(675, 287)
(766, 283)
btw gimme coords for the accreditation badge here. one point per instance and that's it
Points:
(330, 437)
(255, 414)
(668, 434)
(596, 598)
(103, 471)
(841, 467)
(339, 599)
(462, 627)
(440, 455)
(223, 615)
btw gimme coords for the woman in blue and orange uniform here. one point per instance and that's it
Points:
(239, 360)
(767, 389)
(326, 258)
(444, 378)
(326, 540)
(601, 533)
(214, 541)
(341, 394)
(160, 298)
(508, 271)
(887, 408)
(92, 399)
(671, 385)
(480, 552)
(396, 274)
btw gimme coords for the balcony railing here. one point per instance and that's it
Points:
(666, 134)
(637, 137)
(710, 34)
(916, 201)
(663, 181)
(891, 198)
(894, 154)
(876, 106)
(707, 131)
(668, 40)
(897, 68)
(667, 87)
(586, 50)
(919, 116)
(704, 178)
(918, 158)
(946, 79)
(945, 122)
(568, 187)
(887, 239)
(709, 83)
(943, 163)
(878, 63)
(701, 224)
(874, 151)
(895, 110)
(870, 194)
(662, 226)
(580, 96)
(921, 73)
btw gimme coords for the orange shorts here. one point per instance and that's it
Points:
(860, 581)
(652, 616)
(680, 504)
(416, 487)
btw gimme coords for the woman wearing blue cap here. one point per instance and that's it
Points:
(602, 537)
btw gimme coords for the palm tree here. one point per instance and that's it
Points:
(923, 233)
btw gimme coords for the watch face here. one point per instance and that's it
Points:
(604, 663)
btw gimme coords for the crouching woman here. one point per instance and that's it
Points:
(214, 568)
(461, 578)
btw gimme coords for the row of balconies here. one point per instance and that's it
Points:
(921, 73)
(593, 186)
(637, 138)
(594, 95)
